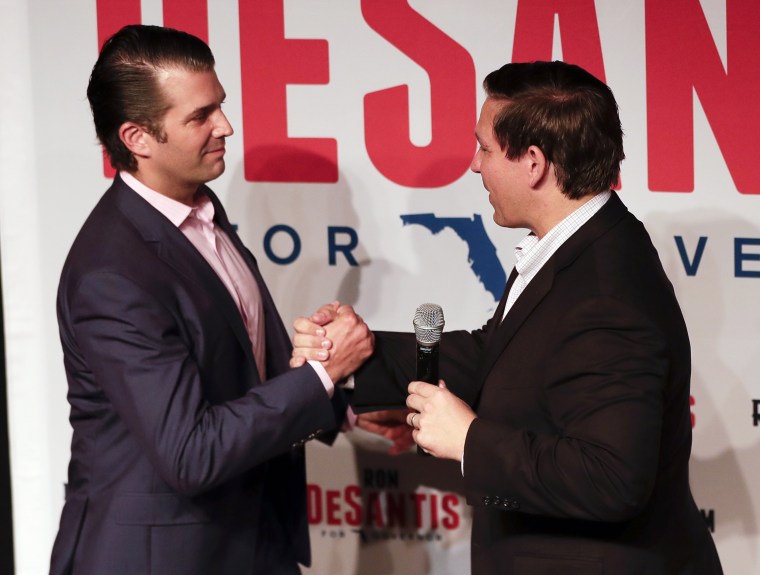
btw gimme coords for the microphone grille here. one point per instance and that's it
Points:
(428, 323)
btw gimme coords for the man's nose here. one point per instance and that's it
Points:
(222, 126)
(475, 164)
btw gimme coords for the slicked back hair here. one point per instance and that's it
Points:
(124, 84)
(567, 113)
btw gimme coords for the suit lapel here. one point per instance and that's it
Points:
(178, 252)
(495, 322)
(278, 344)
(502, 332)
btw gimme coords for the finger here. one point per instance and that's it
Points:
(304, 325)
(372, 427)
(417, 435)
(308, 340)
(326, 313)
(401, 445)
(311, 354)
(415, 402)
(399, 433)
(297, 361)
(421, 388)
(346, 309)
(442, 384)
(301, 341)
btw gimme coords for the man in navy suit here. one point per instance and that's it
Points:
(569, 409)
(188, 423)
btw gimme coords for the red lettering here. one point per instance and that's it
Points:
(452, 102)
(433, 511)
(353, 500)
(419, 499)
(374, 510)
(448, 504)
(269, 62)
(332, 506)
(314, 504)
(682, 59)
(693, 417)
(534, 33)
(381, 509)
(396, 507)
(112, 15)
(187, 15)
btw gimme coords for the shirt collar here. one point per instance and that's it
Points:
(176, 212)
(531, 253)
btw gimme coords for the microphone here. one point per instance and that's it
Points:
(428, 327)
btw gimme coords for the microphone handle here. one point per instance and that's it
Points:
(427, 363)
(427, 370)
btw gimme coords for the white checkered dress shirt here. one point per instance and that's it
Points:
(531, 253)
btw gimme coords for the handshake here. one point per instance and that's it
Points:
(435, 419)
(334, 335)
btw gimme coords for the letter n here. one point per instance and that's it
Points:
(682, 59)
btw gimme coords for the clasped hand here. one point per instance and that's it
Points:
(318, 338)
(336, 336)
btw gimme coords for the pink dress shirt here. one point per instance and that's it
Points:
(197, 224)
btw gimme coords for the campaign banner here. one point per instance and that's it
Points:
(348, 178)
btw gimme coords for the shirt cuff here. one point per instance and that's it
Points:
(323, 376)
(350, 422)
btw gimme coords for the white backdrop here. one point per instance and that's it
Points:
(337, 168)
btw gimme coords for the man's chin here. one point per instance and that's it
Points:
(499, 221)
(216, 171)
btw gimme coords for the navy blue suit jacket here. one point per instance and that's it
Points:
(182, 460)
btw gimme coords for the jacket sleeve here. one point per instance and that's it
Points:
(382, 382)
(122, 340)
(603, 389)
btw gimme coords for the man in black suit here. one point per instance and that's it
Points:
(188, 424)
(569, 409)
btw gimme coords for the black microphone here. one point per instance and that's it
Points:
(428, 326)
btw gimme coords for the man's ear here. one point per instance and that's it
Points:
(537, 166)
(136, 139)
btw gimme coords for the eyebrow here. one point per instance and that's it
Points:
(205, 110)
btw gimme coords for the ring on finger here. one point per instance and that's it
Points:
(411, 421)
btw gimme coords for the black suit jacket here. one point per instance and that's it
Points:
(182, 460)
(578, 460)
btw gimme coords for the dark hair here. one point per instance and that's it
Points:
(123, 84)
(567, 113)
